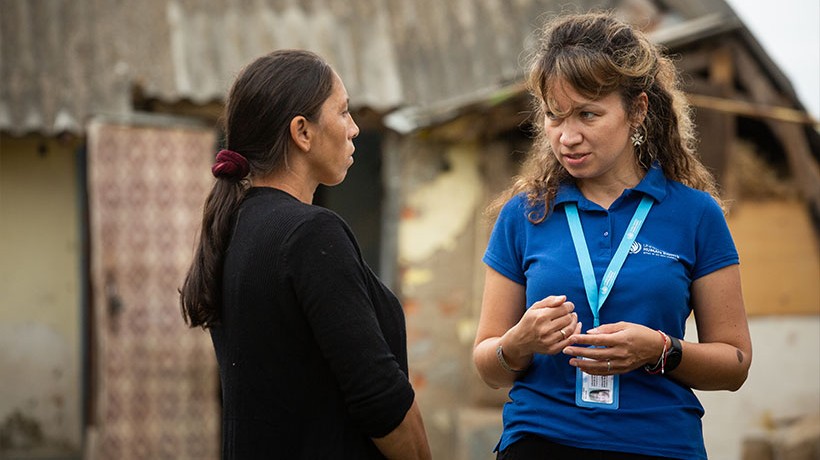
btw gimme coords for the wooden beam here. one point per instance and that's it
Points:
(790, 134)
(752, 110)
(722, 69)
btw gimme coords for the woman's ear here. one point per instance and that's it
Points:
(640, 108)
(300, 133)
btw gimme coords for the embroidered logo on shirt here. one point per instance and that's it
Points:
(638, 248)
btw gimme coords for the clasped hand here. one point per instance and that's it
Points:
(614, 348)
(546, 327)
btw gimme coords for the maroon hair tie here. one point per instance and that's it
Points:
(230, 165)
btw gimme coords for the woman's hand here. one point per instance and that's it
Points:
(719, 360)
(622, 347)
(545, 327)
(521, 332)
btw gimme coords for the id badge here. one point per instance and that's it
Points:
(600, 391)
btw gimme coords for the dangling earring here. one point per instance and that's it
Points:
(637, 138)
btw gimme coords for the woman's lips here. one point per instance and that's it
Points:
(574, 158)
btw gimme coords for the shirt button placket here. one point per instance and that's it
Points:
(606, 240)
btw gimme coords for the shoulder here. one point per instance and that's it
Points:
(692, 208)
(683, 195)
(284, 218)
(318, 222)
(516, 207)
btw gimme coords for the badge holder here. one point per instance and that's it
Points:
(596, 391)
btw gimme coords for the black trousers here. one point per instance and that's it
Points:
(532, 447)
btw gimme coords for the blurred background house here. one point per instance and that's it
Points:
(108, 128)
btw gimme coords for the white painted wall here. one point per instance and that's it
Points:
(784, 382)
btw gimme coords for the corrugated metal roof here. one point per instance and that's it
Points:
(62, 61)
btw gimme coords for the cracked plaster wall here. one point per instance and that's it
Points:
(441, 237)
(39, 316)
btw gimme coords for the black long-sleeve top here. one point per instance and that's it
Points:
(312, 346)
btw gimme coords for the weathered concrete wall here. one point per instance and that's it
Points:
(441, 236)
(437, 244)
(40, 322)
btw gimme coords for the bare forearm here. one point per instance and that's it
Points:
(712, 366)
(721, 359)
(489, 368)
(408, 441)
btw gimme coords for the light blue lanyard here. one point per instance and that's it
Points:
(596, 299)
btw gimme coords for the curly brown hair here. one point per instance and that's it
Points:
(597, 54)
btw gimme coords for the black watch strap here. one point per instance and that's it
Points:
(674, 355)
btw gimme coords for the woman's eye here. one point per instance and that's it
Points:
(587, 115)
(551, 116)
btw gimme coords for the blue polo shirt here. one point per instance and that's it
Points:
(684, 237)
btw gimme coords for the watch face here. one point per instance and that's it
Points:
(674, 356)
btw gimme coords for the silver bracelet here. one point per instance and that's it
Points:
(499, 353)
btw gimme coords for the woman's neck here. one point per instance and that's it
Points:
(289, 182)
(603, 191)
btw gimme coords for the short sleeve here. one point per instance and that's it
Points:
(331, 283)
(505, 250)
(715, 247)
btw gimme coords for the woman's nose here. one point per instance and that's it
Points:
(570, 136)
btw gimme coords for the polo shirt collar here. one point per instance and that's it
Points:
(652, 184)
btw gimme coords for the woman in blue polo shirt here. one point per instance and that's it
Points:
(611, 237)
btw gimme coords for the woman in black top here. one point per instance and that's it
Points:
(311, 345)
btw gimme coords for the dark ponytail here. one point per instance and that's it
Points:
(202, 290)
(263, 100)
